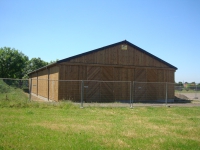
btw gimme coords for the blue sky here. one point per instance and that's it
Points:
(168, 29)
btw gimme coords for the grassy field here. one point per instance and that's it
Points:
(65, 126)
(34, 125)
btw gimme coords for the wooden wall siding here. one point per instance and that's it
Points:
(115, 56)
(170, 91)
(171, 86)
(61, 84)
(82, 73)
(124, 77)
(140, 90)
(120, 89)
(117, 88)
(107, 87)
(43, 83)
(161, 91)
(113, 91)
(160, 75)
(152, 75)
(34, 83)
(161, 88)
(53, 83)
(140, 75)
(93, 90)
(152, 88)
(69, 90)
(93, 73)
(151, 91)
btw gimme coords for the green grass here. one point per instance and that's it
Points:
(69, 127)
(33, 125)
(187, 91)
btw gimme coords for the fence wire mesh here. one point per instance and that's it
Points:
(188, 91)
(98, 93)
(14, 88)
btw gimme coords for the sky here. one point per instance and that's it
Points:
(57, 29)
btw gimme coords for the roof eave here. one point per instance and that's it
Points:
(45, 67)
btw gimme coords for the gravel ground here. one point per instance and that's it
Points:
(193, 104)
(188, 103)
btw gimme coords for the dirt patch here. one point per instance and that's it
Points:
(181, 96)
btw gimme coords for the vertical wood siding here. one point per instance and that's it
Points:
(34, 83)
(109, 91)
(116, 56)
(53, 83)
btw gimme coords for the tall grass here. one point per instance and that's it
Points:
(13, 97)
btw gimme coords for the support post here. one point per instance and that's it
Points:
(30, 89)
(82, 93)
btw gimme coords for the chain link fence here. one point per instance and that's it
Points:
(98, 93)
(12, 89)
(188, 91)
(103, 93)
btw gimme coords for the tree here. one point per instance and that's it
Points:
(53, 61)
(33, 64)
(12, 63)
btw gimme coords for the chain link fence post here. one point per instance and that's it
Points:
(30, 89)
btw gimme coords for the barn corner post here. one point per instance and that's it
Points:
(82, 93)
(30, 89)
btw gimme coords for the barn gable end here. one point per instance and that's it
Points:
(122, 53)
(121, 61)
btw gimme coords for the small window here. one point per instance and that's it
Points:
(124, 47)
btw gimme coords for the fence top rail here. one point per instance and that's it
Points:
(13, 79)
(104, 81)
(155, 82)
(83, 80)
(57, 80)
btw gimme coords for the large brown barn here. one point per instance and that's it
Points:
(122, 61)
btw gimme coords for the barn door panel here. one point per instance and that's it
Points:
(125, 85)
(140, 75)
(139, 94)
(152, 87)
(107, 87)
(140, 86)
(121, 86)
(117, 88)
(92, 88)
